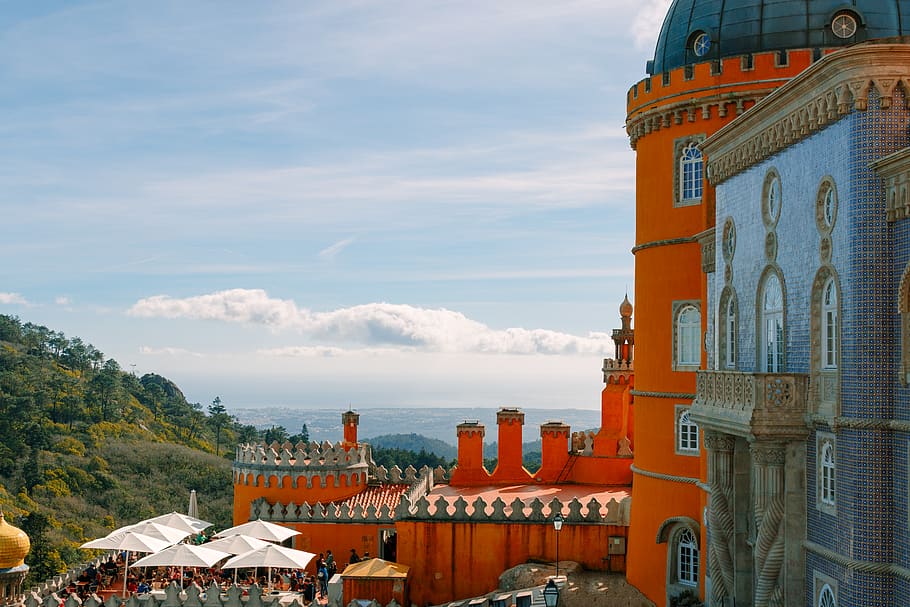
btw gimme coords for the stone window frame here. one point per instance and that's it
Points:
(760, 317)
(822, 222)
(685, 431)
(825, 442)
(679, 307)
(821, 582)
(903, 306)
(679, 146)
(824, 390)
(727, 343)
(686, 550)
(770, 215)
(670, 532)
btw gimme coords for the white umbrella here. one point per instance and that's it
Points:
(262, 530)
(163, 532)
(183, 522)
(130, 542)
(193, 509)
(237, 544)
(271, 556)
(183, 555)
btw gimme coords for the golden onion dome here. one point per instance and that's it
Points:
(625, 308)
(14, 545)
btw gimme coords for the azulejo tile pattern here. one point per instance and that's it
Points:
(869, 256)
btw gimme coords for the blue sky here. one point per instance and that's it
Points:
(322, 203)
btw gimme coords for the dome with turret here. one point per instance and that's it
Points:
(625, 308)
(703, 30)
(14, 545)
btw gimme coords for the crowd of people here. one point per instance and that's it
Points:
(312, 585)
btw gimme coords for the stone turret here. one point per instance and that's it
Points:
(554, 438)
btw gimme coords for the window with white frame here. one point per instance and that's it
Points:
(687, 559)
(829, 325)
(772, 325)
(826, 472)
(688, 333)
(686, 432)
(690, 173)
(826, 597)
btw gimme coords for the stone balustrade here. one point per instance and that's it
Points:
(752, 404)
(194, 596)
(301, 455)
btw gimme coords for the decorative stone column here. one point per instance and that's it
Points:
(768, 460)
(720, 514)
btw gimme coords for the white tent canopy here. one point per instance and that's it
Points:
(130, 541)
(183, 555)
(261, 529)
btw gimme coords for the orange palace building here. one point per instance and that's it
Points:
(457, 530)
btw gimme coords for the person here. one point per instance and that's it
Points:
(366, 555)
(330, 563)
(309, 590)
(354, 558)
(323, 577)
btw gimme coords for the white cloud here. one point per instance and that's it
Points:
(648, 21)
(434, 330)
(168, 351)
(13, 299)
(62, 300)
(331, 251)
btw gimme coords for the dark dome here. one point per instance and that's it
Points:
(738, 27)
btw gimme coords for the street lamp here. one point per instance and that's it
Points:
(557, 524)
(551, 594)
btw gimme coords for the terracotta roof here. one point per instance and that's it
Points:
(379, 495)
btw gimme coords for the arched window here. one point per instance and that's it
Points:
(730, 337)
(690, 173)
(688, 330)
(686, 433)
(829, 325)
(687, 559)
(772, 326)
(826, 597)
(827, 469)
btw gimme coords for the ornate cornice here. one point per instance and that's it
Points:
(859, 423)
(822, 94)
(665, 116)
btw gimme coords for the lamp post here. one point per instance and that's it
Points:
(557, 524)
(551, 594)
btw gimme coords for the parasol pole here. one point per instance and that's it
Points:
(126, 563)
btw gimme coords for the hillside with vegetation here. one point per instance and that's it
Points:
(86, 447)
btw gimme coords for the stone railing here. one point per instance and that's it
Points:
(193, 596)
(752, 404)
(61, 581)
(438, 508)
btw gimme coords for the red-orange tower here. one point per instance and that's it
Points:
(703, 75)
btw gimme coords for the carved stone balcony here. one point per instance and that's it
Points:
(752, 405)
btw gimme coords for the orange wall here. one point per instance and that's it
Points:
(249, 489)
(458, 560)
(339, 538)
(668, 273)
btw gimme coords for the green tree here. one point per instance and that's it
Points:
(218, 419)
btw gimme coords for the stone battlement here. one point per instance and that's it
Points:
(302, 455)
(439, 508)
